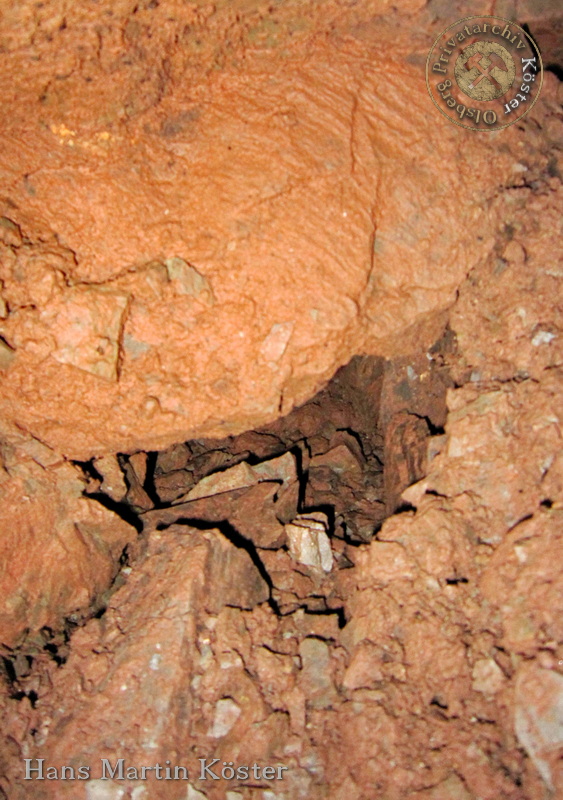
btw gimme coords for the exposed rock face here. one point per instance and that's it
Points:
(59, 550)
(206, 210)
(158, 267)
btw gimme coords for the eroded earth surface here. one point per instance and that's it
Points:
(281, 450)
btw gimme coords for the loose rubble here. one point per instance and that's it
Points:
(361, 592)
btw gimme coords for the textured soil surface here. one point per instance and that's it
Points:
(209, 208)
(281, 449)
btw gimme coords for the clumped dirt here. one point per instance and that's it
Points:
(208, 208)
(425, 649)
(362, 597)
(266, 529)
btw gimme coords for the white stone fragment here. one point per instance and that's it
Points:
(274, 345)
(487, 676)
(538, 718)
(87, 326)
(237, 477)
(542, 337)
(189, 280)
(103, 790)
(243, 475)
(226, 714)
(308, 540)
(194, 794)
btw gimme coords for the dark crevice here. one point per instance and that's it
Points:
(89, 469)
(555, 69)
(53, 650)
(355, 435)
(101, 606)
(404, 508)
(33, 697)
(526, 27)
(122, 509)
(149, 484)
(9, 670)
(338, 612)
(253, 460)
(325, 509)
(351, 405)
(238, 540)
(525, 518)
(435, 430)
(21, 695)
(302, 474)
(434, 493)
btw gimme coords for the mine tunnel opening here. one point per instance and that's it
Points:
(372, 409)
(315, 484)
(334, 467)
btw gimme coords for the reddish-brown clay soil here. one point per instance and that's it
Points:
(281, 449)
